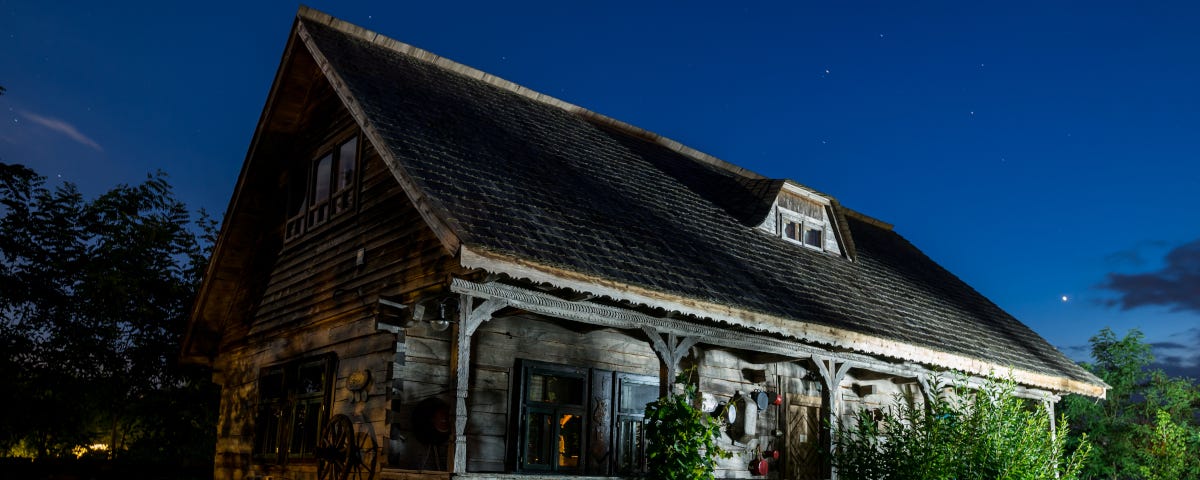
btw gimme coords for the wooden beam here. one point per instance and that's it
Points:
(615, 317)
(670, 350)
(832, 371)
(811, 333)
(470, 318)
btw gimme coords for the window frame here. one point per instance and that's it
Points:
(278, 446)
(340, 195)
(593, 401)
(622, 418)
(805, 224)
(555, 410)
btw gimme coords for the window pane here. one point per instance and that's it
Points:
(555, 389)
(812, 236)
(270, 385)
(299, 415)
(792, 230)
(310, 378)
(321, 179)
(537, 439)
(266, 430)
(635, 396)
(570, 440)
(630, 444)
(346, 161)
(305, 428)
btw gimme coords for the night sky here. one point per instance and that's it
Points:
(1049, 155)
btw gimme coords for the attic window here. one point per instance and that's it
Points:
(804, 221)
(330, 192)
(800, 231)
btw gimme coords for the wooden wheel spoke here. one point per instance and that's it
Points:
(334, 449)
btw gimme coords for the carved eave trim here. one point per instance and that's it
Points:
(542, 303)
(442, 224)
(759, 322)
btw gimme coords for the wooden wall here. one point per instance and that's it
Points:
(316, 298)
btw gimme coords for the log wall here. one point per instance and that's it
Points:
(319, 299)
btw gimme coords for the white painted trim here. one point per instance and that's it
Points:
(803, 192)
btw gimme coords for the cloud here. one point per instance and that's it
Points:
(63, 128)
(1179, 359)
(1176, 286)
(1134, 256)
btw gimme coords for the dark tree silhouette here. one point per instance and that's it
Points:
(94, 297)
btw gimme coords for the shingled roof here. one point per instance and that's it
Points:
(521, 183)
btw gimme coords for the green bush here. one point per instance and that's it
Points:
(681, 439)
(984, 434)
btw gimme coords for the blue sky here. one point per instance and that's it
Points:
(1037, 151)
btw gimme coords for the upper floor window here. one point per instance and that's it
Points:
(330, 191)
(806, 222)
(803, 230)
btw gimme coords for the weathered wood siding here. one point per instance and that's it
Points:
(500, 342)
(318, 299)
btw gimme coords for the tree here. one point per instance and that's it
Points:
(94, 297)
(984, 434)
(1147, 422)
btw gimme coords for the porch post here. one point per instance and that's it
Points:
(469, 319)
(832, 373)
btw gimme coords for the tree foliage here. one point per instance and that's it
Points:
(94, 297)
(984, 434)
(1147, 424)
(681, 439)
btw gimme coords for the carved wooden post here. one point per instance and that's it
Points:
(469, 319)
(670, 351)
(832, 373)
(1049, 403)
(928, 391)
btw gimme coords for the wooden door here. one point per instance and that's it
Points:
(802, 460)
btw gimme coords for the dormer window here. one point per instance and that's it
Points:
(330, 191)
(804, 232)
(802, 217)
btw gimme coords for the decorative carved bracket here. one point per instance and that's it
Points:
(671, 348)
(479, 314)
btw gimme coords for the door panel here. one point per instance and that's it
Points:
(803, 460)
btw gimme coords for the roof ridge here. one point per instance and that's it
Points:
(857, 215)
(376, 38)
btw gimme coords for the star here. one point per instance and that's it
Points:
(1065, 299)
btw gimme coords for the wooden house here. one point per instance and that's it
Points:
(426, 271)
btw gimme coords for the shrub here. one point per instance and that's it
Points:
(984, 434)
(681, 439)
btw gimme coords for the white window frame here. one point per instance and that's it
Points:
(806, 223)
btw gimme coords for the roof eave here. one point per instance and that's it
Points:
(491, 262)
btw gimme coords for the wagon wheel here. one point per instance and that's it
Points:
(363, 456)
(343, 453)
(334, 447)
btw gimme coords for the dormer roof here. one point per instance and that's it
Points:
(522, 184)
